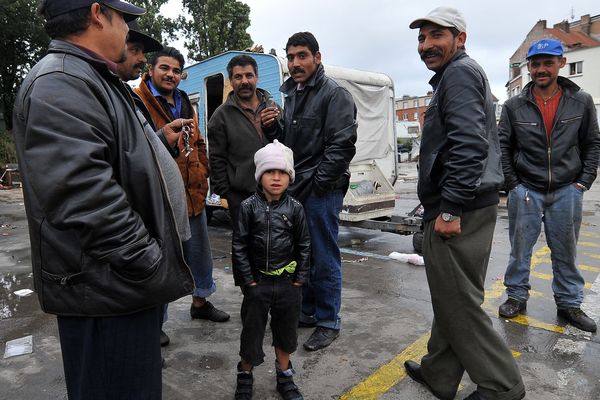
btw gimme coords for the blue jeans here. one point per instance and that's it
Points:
(198, 256)
(560, 211)
(322, 297)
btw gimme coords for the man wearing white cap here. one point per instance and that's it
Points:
(459, 178)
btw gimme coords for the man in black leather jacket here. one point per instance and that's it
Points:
(459, 178)
(320, 127)
(105, 248)
(550, 149)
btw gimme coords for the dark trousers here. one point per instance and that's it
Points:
(283, 300)
(462, 335)
(112, 358)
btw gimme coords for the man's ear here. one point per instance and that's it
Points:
(318, 57)
(97, 18)
(562, 61)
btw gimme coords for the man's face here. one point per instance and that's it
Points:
(165, 74)
(437, 45)
(115, 35)
(302, 63)
(544, 69)
(131, 68)
(243, 81)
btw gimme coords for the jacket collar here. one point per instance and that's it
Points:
(435, 80)
(289, 86)
(568, 86)
(95, 60)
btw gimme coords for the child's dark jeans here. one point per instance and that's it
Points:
(278, 295)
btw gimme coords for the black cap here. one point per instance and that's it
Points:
(53, 8)
(136, 36)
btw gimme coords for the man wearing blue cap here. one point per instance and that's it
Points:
(106, 252)
(550, 148)
(460, 175)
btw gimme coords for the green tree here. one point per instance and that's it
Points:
(23, 42)
(215, 26)
(153, 23)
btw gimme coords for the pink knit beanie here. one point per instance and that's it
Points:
(274, 156)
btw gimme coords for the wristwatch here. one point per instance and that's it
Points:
(447, 217)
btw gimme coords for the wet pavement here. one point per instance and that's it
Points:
(386, 313)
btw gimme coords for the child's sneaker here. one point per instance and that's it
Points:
(285, 383)
(245, 380)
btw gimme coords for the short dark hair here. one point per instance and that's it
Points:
(167, 51)
(455, 32)
(241, 61)
(303, 39)
(69, 24)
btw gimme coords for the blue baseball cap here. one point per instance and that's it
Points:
(53, 8)
(548, 47)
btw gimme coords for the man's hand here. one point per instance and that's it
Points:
(172, 130)
(268, 116)
(447, 229)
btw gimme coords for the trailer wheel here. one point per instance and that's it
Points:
(418, 242)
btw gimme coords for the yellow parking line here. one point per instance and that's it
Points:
(589, 234)
(588, 244)
(591, 255)
(548, 277)
(584, 267)
(388, 375)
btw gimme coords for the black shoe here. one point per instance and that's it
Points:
(286, 386)
(576, 317)
(302, 324)
(511, 308)
(474, 396)
(164, 339)
(414, 371)
(209, 312)
(245, 380)
(321, 338)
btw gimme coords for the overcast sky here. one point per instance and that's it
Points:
(373, 35)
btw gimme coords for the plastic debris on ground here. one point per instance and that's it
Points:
(19, 347)
(23, 292)
(413, 258)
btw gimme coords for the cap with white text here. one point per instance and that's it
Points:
(549, 47)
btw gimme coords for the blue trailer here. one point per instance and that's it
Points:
(373, 168)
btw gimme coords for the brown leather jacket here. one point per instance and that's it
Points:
(194, 168)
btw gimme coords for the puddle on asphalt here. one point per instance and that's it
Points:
(12, 305)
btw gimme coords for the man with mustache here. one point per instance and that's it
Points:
(166, 103)
(137, 44)
(235, 134)
(320, 127)
(104, 243)
(459, 178)
(550, 149)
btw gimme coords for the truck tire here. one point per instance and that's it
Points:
(418, 242)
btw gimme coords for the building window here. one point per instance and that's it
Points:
(416, 103)
(427, 101)
(405, 104)
(576, 68)
(416, 116)
(405, 117)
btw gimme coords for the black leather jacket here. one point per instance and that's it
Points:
(270, 236)
(459, 163)
(320, 127)
(103, 236)
(571, 154)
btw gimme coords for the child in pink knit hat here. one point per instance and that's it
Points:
(271, 263)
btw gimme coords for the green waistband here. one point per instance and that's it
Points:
(290, 269)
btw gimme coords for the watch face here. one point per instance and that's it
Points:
(446, 217)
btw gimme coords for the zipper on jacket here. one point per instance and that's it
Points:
(564, 121)
(268, 212)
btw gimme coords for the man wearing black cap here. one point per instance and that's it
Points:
(550, 149)
(459, 178)
(105, 247)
